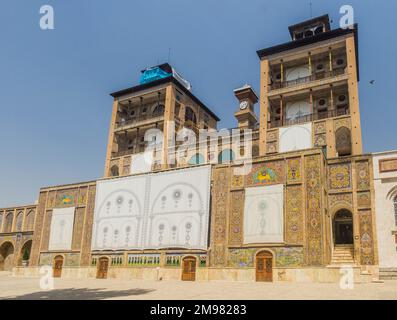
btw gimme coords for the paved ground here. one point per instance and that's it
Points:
(28, 288)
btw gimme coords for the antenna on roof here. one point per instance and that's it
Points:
(169, 55)
(311, 9)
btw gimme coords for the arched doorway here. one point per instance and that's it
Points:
(24, 256)
(102, 270)
(6, 256)
(189, 269)
(264, 267)
(343, 227)
(57, 269)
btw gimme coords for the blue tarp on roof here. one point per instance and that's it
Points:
(153, 74)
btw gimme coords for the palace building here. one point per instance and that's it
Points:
(286, 196)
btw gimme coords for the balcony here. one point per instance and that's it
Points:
(314, 77)
(321, 115)
(139, 121)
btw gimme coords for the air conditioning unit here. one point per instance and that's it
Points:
(277, 77)
(341, 99)
(319, 67)
(339, 62)
(322, 104)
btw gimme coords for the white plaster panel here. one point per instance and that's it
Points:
(158, 210)
(141, 163)
(264, 214)
(294, 138)
(61, 232)
(385, 185)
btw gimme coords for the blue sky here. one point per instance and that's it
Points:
(54, 85)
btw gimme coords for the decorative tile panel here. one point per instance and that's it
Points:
(267, 173)
(294, 170)
(340, 176)
(363, 175)
(294, 215)
(366, 238)
(314, 244)
(236, 218)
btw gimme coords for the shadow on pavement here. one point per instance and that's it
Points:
(78, 294)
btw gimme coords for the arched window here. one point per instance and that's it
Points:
(30, 221)
(296, 73)
(8, 222)
(197, 159)
(19, 221)
(225, 156)
(343, 141)
(1, 220)
(190, 115)
(114, 171)
(395, 210)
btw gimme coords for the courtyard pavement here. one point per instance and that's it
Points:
(94, 289)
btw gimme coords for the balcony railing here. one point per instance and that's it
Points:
(308, 118)
(153, 117)
(313, 77)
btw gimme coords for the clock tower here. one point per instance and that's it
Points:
(245, 115)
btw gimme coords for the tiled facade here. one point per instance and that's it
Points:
(329, 198)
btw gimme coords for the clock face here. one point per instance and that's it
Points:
(243, 105)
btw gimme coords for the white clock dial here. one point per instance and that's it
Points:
(243, 105)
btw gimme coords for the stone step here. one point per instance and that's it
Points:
(387, 269)
(388, 273)
(385, 277)
(343, 255)
(343, 260)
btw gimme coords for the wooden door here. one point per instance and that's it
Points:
(102, 271)
(189, 269)
(58, 263)
(264, 267)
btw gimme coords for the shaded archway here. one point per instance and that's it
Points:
(114, 171)
(189, 268)
(8, 222)
(29, 226)
(190, 115)
(102, 269)
(57, 268)
(264, 266)
(343, 227)
(19, 221)
(343, 141)
(6, 256)
(24, 255)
